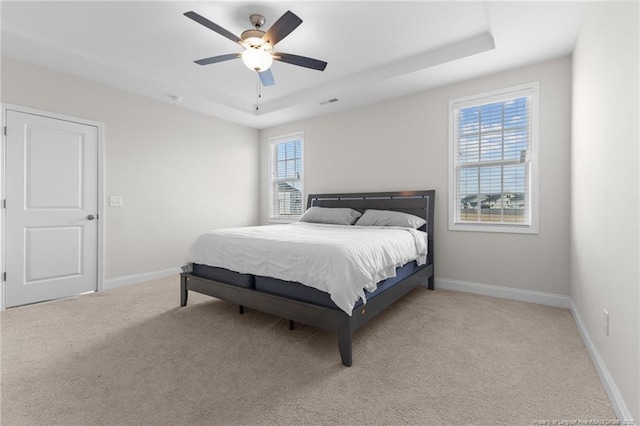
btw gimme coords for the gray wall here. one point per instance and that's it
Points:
(605, 190)
(402, 144)
(180, 173)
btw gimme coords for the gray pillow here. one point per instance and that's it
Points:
(390, 218)
(333, 216)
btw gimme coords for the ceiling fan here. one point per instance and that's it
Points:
(258, 54)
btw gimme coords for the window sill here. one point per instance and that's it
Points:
(505, 229)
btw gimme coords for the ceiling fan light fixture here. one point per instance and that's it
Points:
(257, 59)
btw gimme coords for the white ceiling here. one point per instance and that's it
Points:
(375, 50)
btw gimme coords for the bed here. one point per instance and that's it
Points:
(298, 302)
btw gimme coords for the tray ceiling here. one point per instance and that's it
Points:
(375, 50)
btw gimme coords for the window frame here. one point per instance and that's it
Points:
(273, 143)
(455, 105)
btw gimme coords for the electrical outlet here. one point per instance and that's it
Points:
(115, 201)
(605, 322)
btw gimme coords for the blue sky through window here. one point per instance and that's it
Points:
(493, 132)
(289, 160)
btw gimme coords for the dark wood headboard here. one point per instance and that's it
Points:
(418, 203)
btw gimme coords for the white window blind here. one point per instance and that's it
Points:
(286, 177)
(492, 165)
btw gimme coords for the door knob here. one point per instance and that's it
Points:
(91, 217)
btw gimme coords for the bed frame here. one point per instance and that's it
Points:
(419, 203)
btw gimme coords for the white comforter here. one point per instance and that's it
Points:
(340, 260)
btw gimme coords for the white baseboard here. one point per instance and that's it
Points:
(531, 296)
(609, 384)
(137, 278)
(556, 300)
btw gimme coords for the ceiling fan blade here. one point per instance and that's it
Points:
(216, 59)
(282, 28)
(212, 26)
(301, 61)
(267, 78)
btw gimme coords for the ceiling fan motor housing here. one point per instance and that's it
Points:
(253, 38)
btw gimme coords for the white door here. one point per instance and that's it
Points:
(52, 206)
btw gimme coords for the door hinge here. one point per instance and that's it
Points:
(5, 130)
(4, 277)
(4, 203)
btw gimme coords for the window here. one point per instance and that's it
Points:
(286, 177)
(493, 161)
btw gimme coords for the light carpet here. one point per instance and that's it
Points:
(133, 356)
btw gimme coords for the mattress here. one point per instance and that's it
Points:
(293, 290)
(297, 291)
(224, 276)
(343, 261)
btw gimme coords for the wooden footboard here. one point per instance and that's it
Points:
(326, 318)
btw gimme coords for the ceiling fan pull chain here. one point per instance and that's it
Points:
(258, 95)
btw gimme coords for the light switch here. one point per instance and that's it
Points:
(115, 201)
